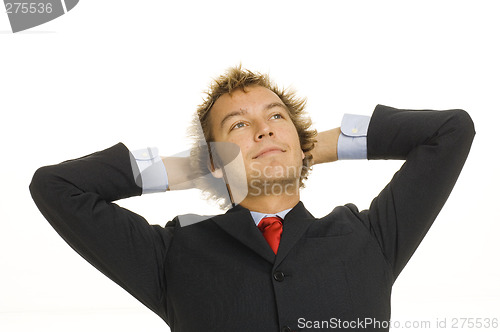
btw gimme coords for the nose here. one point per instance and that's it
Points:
(263, 130)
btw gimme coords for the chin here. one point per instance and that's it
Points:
(273, 186)
(273, 170)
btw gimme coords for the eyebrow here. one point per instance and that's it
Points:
(244, 111)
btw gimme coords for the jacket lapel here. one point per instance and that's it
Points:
(294, 226)
(239, 223)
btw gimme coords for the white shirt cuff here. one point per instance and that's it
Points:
(352, 140)
(152, 171)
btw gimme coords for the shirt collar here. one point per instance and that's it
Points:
(257, 216)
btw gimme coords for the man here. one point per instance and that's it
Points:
(266, 264)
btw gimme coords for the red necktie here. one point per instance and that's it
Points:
(271, 228)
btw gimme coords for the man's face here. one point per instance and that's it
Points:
(259, 123)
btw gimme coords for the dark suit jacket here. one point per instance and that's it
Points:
(221, 275)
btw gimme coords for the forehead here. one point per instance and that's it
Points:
(252, 98)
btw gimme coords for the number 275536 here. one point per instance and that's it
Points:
(28, 8)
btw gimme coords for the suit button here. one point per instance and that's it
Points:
(286, 329)
(279, 276)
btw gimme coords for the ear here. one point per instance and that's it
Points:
(303, 155)
(216, 172)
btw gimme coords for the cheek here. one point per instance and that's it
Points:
(299, 149)
(295, 138)
(243, 145)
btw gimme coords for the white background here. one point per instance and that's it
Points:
(130, 71)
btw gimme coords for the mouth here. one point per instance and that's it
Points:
(269, 152)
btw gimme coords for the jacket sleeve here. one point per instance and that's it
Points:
(434, 145)
(76, 198)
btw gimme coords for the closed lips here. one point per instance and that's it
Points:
(265, 151)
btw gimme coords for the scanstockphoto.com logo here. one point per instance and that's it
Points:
(24, 15)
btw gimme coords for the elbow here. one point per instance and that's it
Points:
(465, 125)
(39, 184)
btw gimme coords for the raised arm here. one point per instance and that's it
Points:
(76, 198)
(435, 145)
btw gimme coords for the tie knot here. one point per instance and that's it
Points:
(268, 221)
(271, 228)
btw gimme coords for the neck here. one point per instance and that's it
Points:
(270, 203)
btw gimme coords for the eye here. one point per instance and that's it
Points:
(277, 116)
(238, 125)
